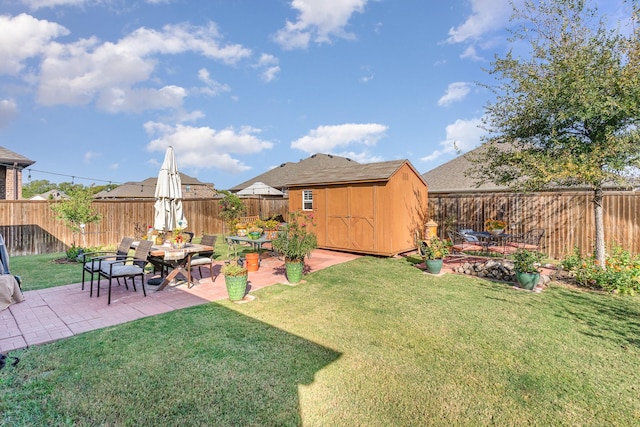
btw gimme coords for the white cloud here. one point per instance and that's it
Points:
(212, 87)
(455, 92)
(486, 16)
(87, 70)
(462, 135)
(24, 37)
(38, 4)
(325, 139)
(204, 147)
(270, 66)
(8, 111)
(90, 155)
(319, 20)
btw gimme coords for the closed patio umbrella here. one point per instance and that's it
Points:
(168, 206)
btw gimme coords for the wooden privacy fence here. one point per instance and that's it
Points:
(567, 218)
(29, 227)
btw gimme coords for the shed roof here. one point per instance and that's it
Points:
(367, 172)
(8, 157)
(280, 176)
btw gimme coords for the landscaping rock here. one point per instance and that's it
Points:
(500, 270)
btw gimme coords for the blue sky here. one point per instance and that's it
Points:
(99, 88)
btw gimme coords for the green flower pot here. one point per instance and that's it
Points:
(236, 286)
(434, 265)
(527, 280)
(294, 271)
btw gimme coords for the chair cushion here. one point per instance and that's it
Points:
(201, 261)
(460, 247)
(505, 250)
(122, 270)
(97, 265)
(522, 245)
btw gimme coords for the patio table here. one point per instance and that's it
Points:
(486, 239)
(256, 243)
(177, 258)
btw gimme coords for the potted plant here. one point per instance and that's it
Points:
(526, 265)
(270, 228)
(235, 278)
(433, 252)
(295, 241)
(495, 226)
(254, 231)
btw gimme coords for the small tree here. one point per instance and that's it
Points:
(76, 212)
(231, 208)
(571, 110)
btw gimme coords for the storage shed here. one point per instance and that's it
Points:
(371, 208)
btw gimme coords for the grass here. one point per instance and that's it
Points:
(373, 342)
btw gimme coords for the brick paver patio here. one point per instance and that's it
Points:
(50, 314)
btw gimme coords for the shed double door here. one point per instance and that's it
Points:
(351, 217)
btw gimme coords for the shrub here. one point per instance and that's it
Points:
(297, 239)
(622, 273)
(525, 261)
(435, 248)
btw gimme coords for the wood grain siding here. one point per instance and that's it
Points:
(567, 217)
(29, 227)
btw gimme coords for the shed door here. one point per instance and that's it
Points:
(350, 218)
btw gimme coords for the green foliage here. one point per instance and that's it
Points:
(526, 261)
(297, 239)
(37, 186)
(435, 248)
(233, 270)
(74, 251)
(622, 273)
(231, 208)
(76, 211)
(570, 110)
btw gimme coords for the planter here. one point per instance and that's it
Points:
(241, 232)
(294, 271)
(236, 286)
(497, 231)
(253, 261)
(270, 234)
(433, 265)
(527, 280)
(254, 235)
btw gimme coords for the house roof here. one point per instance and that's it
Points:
(50, 195)
(8, 158)
(368, 172)
(192, 188)
(280, 176)
(450, 178)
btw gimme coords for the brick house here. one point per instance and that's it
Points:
(11, 166)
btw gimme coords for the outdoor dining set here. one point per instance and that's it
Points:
(502, 244)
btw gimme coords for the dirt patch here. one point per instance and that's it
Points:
(64, 261)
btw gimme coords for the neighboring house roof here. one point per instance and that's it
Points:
(358, 173)
(50, 195)
(450, 178)
(192, 188)
(8, 158)
(280, 176)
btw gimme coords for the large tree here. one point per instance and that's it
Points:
(570, 109)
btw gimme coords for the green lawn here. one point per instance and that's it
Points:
(373, 342)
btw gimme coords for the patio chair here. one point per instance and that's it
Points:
(89, 259)
(461, 245)
(529, 240)
(205, 259)
(126, 268)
